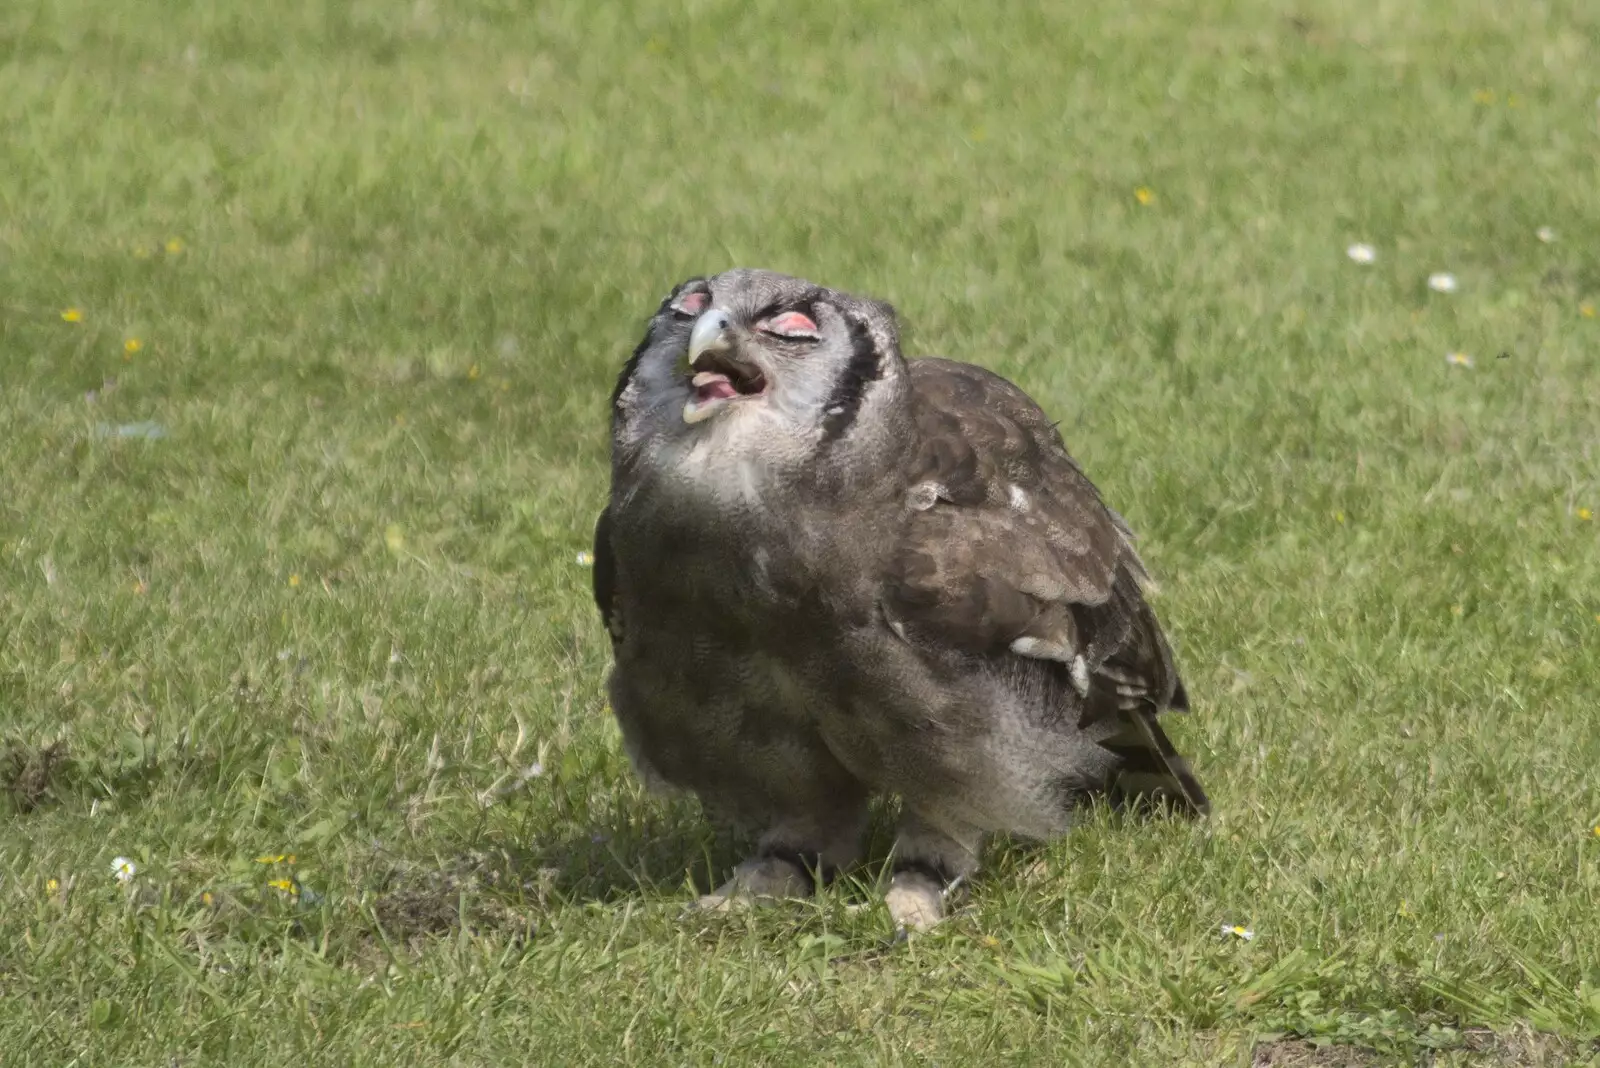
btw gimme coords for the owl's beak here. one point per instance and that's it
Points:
(722, 374)
(710, 336)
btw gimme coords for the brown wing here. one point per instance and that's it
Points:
(1009, 549)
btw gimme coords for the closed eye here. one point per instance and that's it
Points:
(690, 303)
(790, 325)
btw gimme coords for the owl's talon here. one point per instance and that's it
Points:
(719, 902)
(756, 881)
(916, 902)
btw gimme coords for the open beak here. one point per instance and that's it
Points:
(720, 374)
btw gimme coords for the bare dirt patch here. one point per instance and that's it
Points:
(1296, 1053)
(1521, 1048)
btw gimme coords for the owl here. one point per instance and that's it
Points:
(831, 573)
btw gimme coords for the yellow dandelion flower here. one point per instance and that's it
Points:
(286, 885)
(206, 898)
(52, 885)
(1338, 517)
(1144, 195)
(1585, 310)
(72, 315)
(1585, 514)
(1483, 96)
(294, 580)
(474, 372)
(132, 345)
(1597, 826)
(174, 245)
(394, 537)
(272, 858)
(1405, 909)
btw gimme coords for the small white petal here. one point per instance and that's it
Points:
(123, 869)
(1442, 282)
(1457, 359)
(586, 559)
(1545, 234)
(1361, 253)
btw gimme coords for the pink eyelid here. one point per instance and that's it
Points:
(791, 324)
(692, 303)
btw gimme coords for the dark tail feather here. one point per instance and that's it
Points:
(1152, 770)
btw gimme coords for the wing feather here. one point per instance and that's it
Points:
(605, 577)
(1008, 549)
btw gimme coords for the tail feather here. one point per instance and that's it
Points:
(1151, 768)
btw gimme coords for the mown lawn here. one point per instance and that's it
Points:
(308, 315)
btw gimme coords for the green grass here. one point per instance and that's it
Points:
(417, 241)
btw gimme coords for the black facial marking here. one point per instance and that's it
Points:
(627, 372)
(866, 365)
(667, 306)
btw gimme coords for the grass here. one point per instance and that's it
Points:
(383, 260)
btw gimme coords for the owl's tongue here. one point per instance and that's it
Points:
(709, 385)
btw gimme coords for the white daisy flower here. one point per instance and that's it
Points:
(123, 869)
(1458, 359)
(1442, 282)
(1234, 930)
(1361, 253)
(586, 559)
(1545, 234)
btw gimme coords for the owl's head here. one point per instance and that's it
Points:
(752, 358)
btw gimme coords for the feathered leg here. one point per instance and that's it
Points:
(792, 854)
(930, 861)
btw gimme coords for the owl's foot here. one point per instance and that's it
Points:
(932, 862)
(756, 879)
(915, 900)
